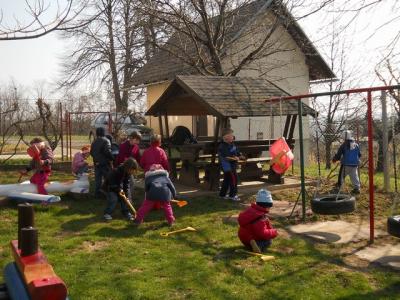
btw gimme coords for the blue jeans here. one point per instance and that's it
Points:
(100, 173)
(81, 170)
(262, 244)
(112, 199)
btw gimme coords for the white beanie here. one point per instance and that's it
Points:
(264, 198)
(347, 135)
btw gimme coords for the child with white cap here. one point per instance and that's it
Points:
(349, 155)
(229, 155)
(256, 231)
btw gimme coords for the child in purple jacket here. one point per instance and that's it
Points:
(79, 163)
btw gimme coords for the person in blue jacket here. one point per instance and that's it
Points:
(229, 155)
(349, 155)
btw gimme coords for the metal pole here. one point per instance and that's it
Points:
(303, 186)
(370, 168)
(70, 136)
(360, 90)
(66, 135)
(61, 132)
(394, 155)
(386, 175)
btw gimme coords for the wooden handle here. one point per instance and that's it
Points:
(128, 203)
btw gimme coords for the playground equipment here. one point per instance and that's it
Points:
(180, 203)
(128, 203)
(165, 234)
(30, 276)
(369, 92)
(281, 156)
(26, 191)
(262, 257)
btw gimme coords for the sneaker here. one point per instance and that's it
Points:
(355, 191)
(129, 217)
(224, 197)
(235, 198)
(107, 217)
(136, 223)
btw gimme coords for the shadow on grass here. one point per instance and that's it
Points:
(391, 291)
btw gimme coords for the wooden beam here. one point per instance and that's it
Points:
(161, 126)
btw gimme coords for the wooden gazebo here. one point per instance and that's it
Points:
(223, 98)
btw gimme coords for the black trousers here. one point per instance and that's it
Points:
(229, 182)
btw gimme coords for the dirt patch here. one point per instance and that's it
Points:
(91, 246)
(135, 270)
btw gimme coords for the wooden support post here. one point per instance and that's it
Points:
(161, 126)
(167, 133)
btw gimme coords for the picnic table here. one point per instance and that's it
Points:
(197, 158)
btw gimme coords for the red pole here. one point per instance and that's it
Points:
(370, 168)
(70, 135)
(66, 134)
(61, 132)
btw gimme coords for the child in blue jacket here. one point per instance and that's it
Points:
(229, 155)
(349, 155)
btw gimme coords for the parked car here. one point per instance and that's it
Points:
(125, 124)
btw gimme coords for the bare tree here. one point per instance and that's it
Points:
(336, 112)
(107, 50)
(41, 17)
(201, 33)
(388, 75)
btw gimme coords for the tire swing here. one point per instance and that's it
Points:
(330, 204)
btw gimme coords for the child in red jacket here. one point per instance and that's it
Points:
(256, 231)
(42, 159)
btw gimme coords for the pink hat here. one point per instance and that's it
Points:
(154, 167)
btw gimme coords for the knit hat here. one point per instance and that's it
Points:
(155, 167)
(264, 198)
(347, 135)
(100, 131)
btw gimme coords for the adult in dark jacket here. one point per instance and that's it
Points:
(256, 231)
(159, 192)
(117, 181)
(100, 150)
(349, 155)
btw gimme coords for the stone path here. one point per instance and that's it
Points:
(339, 232)
(386, 255)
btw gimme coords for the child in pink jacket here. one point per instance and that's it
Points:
(154, 155)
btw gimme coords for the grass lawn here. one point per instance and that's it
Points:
(115, 260)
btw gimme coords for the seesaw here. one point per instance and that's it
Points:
(165, 234)
(27, 192)
(30, 276)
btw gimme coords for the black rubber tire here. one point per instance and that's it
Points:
(328, 205)
(393, 226)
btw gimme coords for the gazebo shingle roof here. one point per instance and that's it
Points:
(223, 97)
